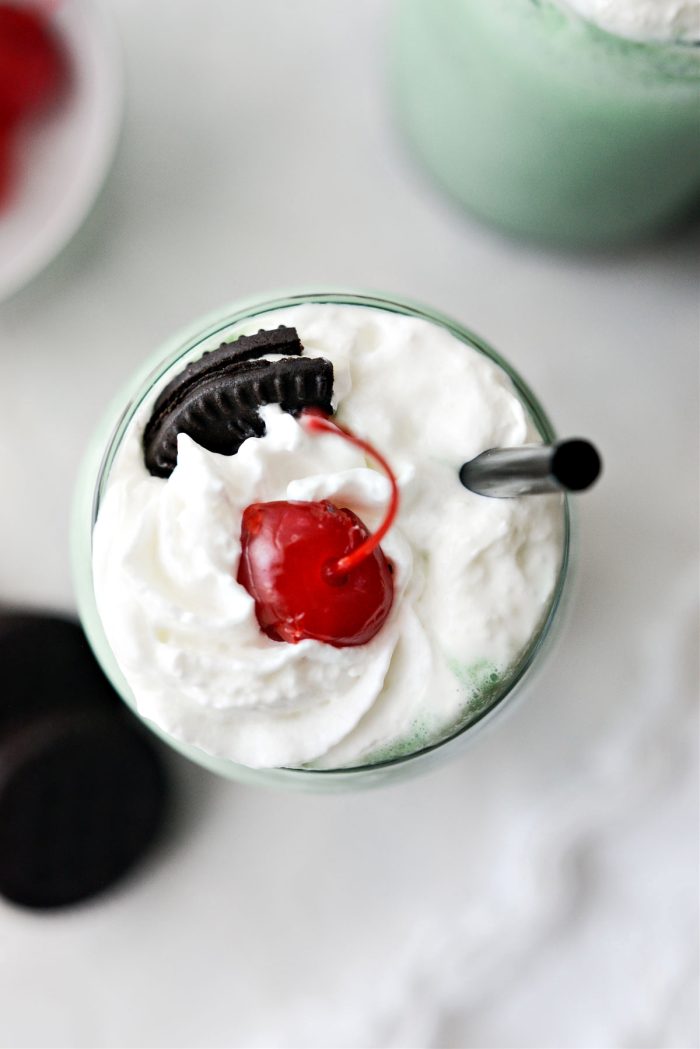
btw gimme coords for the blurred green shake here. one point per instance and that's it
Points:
(546, 125)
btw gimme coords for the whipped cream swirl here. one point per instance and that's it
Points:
(473, 576)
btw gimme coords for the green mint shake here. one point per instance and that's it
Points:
(550, 126)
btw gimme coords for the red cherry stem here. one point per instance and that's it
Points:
(316, 422)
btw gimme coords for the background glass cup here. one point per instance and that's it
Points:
(94, 478)
(545, 125)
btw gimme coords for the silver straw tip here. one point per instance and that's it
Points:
(506, 473)
(575, 464)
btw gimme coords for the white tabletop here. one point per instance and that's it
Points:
(541, 891)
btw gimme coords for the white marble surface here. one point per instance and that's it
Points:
(542, 891)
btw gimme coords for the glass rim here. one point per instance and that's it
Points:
(184, 343)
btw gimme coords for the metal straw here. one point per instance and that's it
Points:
(567, 466)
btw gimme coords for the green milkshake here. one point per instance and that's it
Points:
(170, 535)
(576, 131)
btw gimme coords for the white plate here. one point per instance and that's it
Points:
(64, 158)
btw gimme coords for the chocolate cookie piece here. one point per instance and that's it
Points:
(282, 340)
(219, 408)
(46, 663)
(82, 790)
(81, 797)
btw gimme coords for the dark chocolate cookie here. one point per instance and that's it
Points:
(284, 341)
(81, 797)
(47, 663)
(82, 790)
(217, 403)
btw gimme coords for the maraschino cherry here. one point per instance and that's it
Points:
(313, 568)
(33, 72)
(32, 62)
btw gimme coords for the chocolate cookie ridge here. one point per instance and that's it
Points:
(215, 400)
(228, 355)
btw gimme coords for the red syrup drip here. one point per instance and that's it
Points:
(313, 568)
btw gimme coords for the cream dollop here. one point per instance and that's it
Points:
(473, 576)
(662, 20)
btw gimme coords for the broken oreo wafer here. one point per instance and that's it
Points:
(216, 400)
(284, 341)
